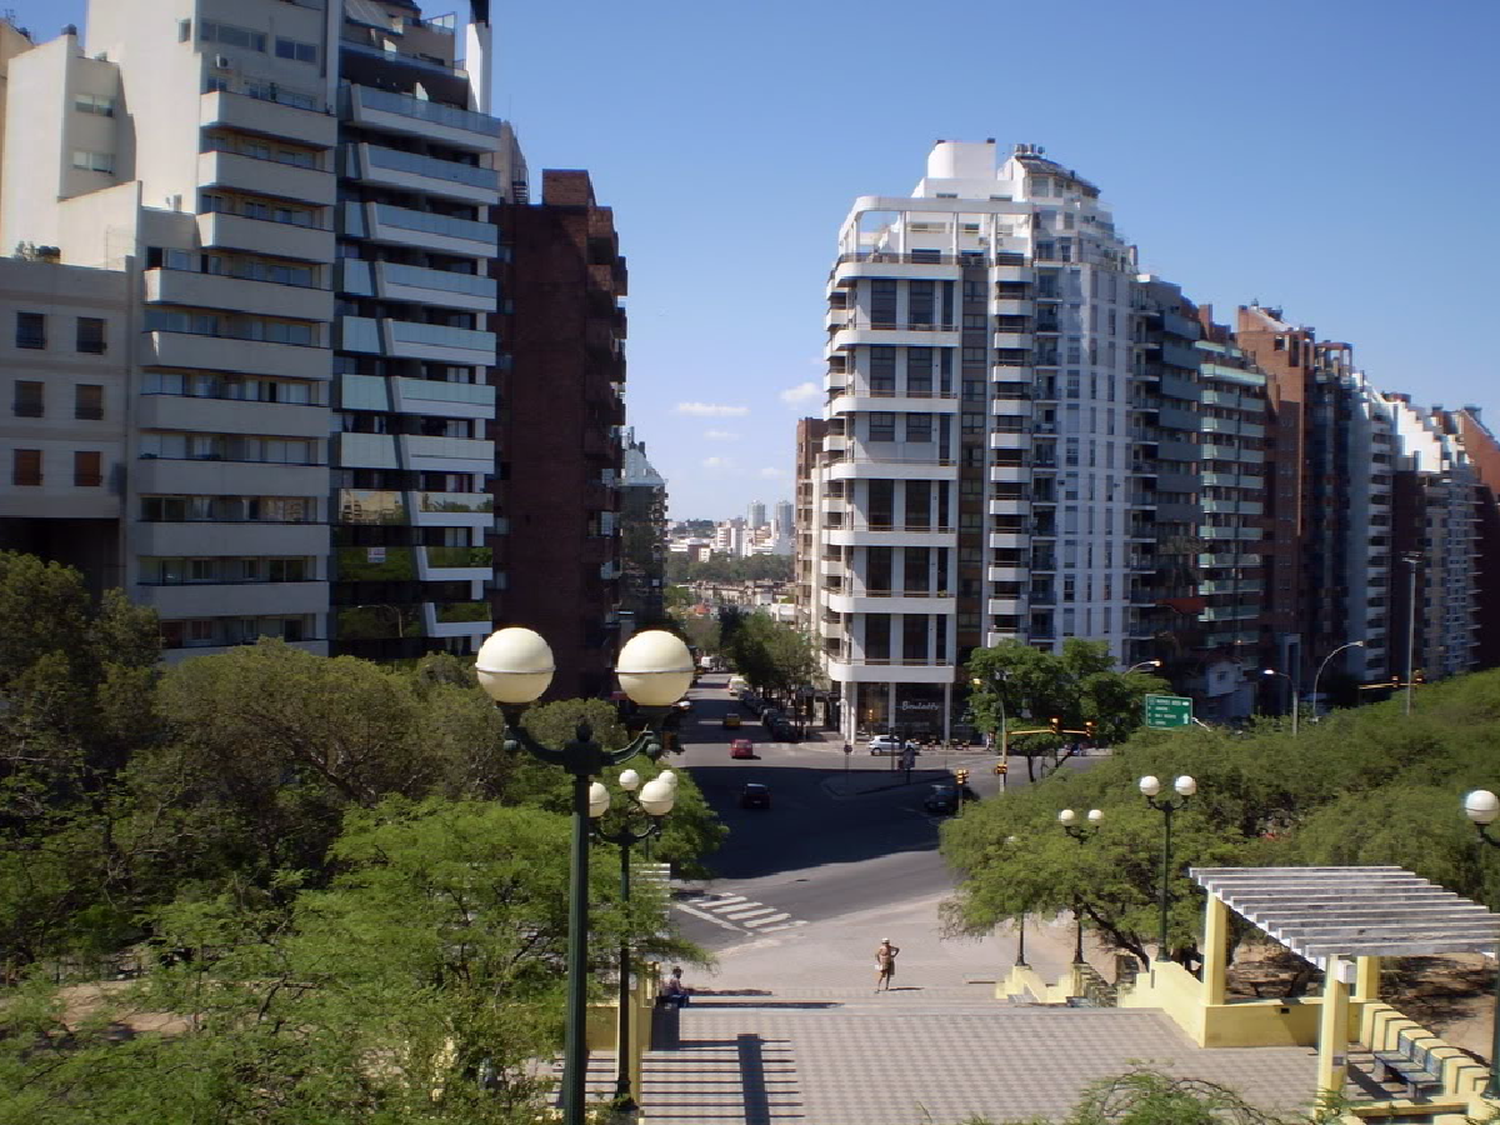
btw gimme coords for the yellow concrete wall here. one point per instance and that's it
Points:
(1380, 1028)
(1241, 1023)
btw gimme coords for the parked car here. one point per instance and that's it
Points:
(732, 721)
(885, 744)
(782, 731)
(742, 748)
(755, 796)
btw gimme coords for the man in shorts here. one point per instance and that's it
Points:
(885, 964)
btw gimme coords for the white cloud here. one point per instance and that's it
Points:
(721, 435)
(716, 463)
(711, 410)
(802, 392)
(768, 473)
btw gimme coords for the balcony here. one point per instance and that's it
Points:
(255, 298)
(406, 339)
(422, 230)
(223, 353)
(1007, 605)
(231, 416)
(866, 535)
(446, 455)
(849, 668)
(1010, 538)
(240, 599)
(453, 564)
(451, 509)
(247, 538)
(896, 335)
(865, 467)
(1010, 439)
(266, 177)
(862, 398)
(418, 285)
(1014, 341)
(245, 114)
(457, 619)
(896, 266)
(411, 172)
(418, 117)
(169, 476)
(444, 400)
(220, 231)
(1010, 506)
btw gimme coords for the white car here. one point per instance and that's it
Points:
(885, 744)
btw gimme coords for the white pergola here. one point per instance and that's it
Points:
(1337, 917)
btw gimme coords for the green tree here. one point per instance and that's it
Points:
(417, 988)
(774, 658)
(1032, 686)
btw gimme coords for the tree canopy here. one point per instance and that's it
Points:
(1027, 687)
(1365, 786)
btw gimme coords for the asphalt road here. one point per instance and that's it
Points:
(814, 854)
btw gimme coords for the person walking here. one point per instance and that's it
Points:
(885, 964)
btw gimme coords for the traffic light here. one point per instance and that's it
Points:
(1056, 724)
(1089, 728)
(961, 776)
(1002, 768)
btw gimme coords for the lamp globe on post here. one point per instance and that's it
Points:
(1482, 808)
(658, 797)
(1069, 821)
(514, 666)
(1150, 786)
(1066, 817)
(655, 668)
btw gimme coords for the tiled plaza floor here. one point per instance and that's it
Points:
(928, 1057)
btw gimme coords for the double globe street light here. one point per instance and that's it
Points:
(515, 667)
(1150, 786)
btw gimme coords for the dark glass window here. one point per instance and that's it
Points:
(31, 330)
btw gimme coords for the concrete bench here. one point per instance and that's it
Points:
(1412, 1064)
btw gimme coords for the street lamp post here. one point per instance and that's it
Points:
(1150, 787)
(514, 667)
(1068, 819)
(1411, 559)
(1326, 659)
(1296, 686)
(1001, 677)
(1143, 664)
(1482, 807)
(1020, 926)
(655, 800)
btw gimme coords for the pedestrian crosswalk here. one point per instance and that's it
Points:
(736, 912)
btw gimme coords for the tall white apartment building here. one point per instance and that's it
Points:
(301, 195)
(755, 514)
(981, 474)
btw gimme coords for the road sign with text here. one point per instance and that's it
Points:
(1164, 712)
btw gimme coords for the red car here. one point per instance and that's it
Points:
(742, 748)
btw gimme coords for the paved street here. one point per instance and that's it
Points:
(834, 841)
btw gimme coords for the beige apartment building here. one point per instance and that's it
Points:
(64, 360)
(281, 211)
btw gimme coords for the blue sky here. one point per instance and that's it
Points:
(1336, 158)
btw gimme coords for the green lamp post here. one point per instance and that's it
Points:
(1150, 787)
(514, 667)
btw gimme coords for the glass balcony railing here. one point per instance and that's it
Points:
(376, 564)
(449, 171)
(460, 556)
(455, 502)
(364, 505)
(423, 110)
(429, 222)
(450, 612)
(432, 390)
(379, 621)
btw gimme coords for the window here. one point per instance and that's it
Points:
(231, 36)
(31, 330)
(882, 426)
(86, 471)
(291, 49)
(919, 427)
(28, 400)
(883, 303)
(883, 370)
(91, 335)
(95, 103)
(26, 467)
(88, 401)
(184, 31)
(94, 161)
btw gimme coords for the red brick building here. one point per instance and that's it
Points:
(557, 430)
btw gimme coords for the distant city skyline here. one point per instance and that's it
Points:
(1279, 178)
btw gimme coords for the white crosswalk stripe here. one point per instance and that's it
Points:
(736, 912)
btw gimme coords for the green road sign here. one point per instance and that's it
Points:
(1163, 712)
